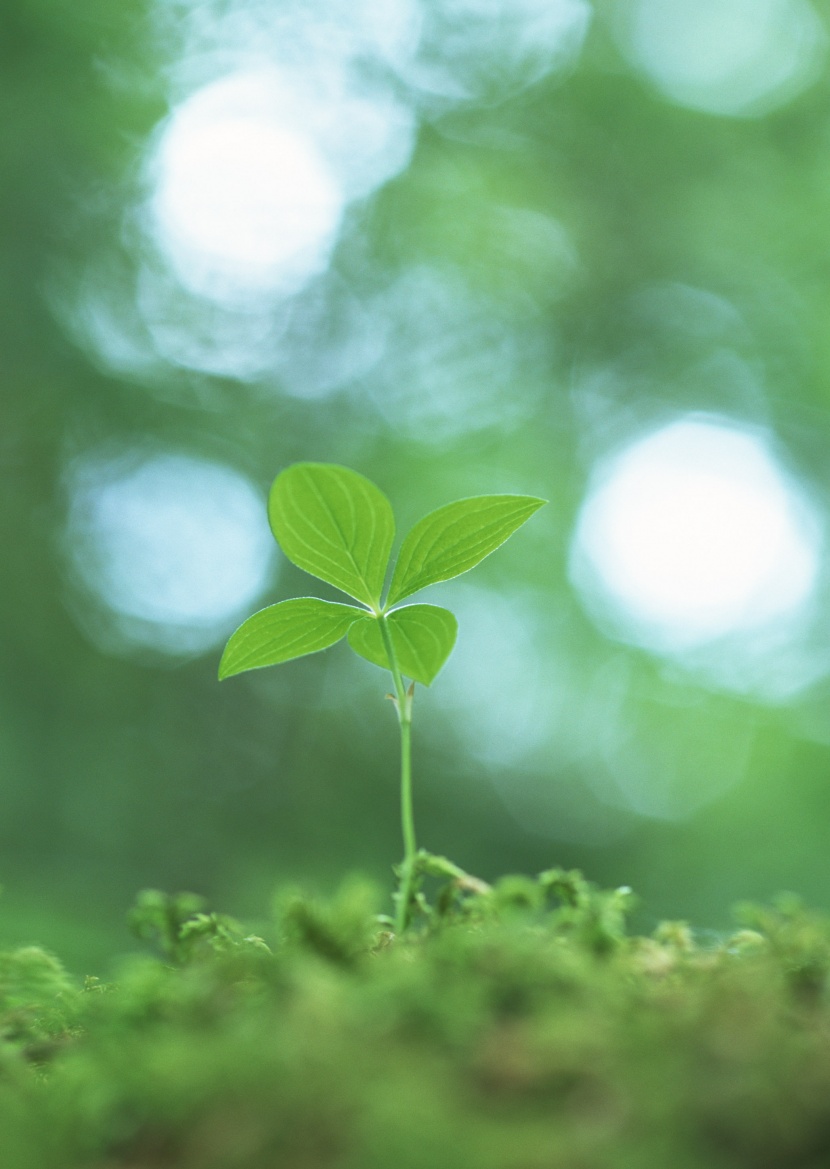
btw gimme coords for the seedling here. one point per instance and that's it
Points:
(338, 526)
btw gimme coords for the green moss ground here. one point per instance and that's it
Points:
(519, 1027)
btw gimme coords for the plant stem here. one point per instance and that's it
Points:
(404, 706)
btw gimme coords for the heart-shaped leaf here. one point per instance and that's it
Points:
(335, 524)
(285, 631)
(455, 538)
(422, 637)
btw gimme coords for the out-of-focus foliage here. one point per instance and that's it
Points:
(523, 1027)
(463, 248)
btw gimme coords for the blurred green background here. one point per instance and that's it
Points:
(463, 246)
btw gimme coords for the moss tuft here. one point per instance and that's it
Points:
(518, 1027)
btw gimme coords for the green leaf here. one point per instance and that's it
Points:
(335, 524)
(285, 631)
(422, 637)
(455, 538)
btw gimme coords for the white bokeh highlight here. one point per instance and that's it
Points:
(176, 548)
(250, 211)
(244, 202)
(695, 533)
(725, 57)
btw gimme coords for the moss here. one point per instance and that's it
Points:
(520, 1027)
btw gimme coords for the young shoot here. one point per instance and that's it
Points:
(337, 525)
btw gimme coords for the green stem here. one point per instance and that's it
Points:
(404, 705)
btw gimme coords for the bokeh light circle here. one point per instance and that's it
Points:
(694, 533)
(175, 547)
(726, 57)
(244, 202)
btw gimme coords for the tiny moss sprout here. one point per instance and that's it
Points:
(337, 525)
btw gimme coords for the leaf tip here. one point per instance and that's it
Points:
(226, 668)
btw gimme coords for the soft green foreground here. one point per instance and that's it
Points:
(521, 1029)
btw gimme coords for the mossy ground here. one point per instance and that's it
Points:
(519, 1028)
